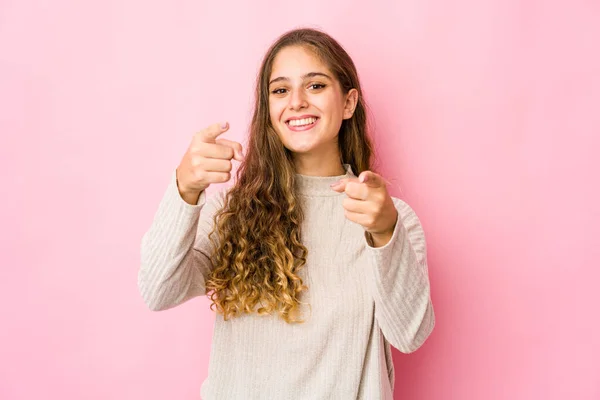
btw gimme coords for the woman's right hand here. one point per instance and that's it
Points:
(207, 160)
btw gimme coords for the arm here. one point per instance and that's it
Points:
(175, 251)
(399, 282)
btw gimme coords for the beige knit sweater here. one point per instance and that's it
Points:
(362, 299)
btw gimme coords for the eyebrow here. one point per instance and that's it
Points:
(309, 75)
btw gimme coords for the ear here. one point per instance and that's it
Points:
(350, 103)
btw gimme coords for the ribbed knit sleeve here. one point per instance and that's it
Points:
(399, 283)
(175, 250)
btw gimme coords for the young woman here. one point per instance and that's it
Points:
(313, 268)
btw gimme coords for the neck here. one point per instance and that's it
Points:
(321, 166)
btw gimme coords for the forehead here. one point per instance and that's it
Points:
(296, 61)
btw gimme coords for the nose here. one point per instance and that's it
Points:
(297, 100)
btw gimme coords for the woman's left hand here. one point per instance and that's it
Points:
(368, 203)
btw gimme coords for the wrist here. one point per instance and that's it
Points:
(190, 196)
(379, 239)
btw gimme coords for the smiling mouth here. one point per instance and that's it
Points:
(302, 124)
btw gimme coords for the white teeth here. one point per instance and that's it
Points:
(302, 122)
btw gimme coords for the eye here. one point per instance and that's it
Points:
(316, 86)
(278, 91)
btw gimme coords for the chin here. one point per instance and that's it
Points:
(300, 149)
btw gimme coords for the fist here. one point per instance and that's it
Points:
(207, 160)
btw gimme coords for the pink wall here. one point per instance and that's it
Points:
(487, 115)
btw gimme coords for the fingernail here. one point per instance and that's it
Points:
(334, 184)
(223, 125)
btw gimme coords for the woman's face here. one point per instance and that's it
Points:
(306, 103)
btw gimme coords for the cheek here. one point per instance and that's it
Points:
(275, 110)
(331, 105)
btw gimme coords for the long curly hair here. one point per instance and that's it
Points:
(259, 248)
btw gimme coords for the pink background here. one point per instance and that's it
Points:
(487, 122)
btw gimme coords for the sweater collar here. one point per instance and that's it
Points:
(320, 185)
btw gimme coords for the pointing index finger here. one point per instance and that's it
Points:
(340, 186)
(209, 134)
(372, 179)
